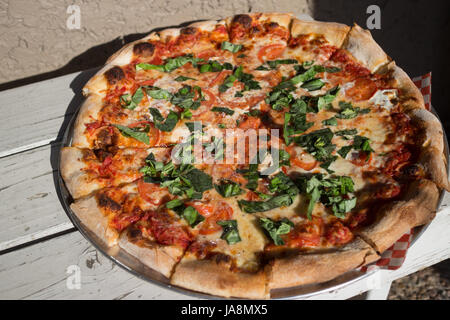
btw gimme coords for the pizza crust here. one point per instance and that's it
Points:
(76, 180)
(417, 207)
(316, 267)
(431, 140)
(157, 257)
(334, 33)
(88, 113)
(93, 219)
(216, 278)
(363, 47)
(410, 96)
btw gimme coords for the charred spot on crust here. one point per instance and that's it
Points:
(255, 30)
(144, 49)
(114, 75)
(243, 19)
(134, 234)
(272, 25)
(107, 203)
(188, 31)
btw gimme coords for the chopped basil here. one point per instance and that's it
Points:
(139, 134)
(230, 231)
(223, 110)
(349, 112)
(252, 176)
(169, 123)
(281, 184)
(344, 151)
(283, 200)
(313, 85)
(194, 126)
(330, 122)
(191, 215)
(317, 143)
(275, 63)
(170, 64)
(160, 94)
(132, 103)
(276, 228)
(180, 180)
(240, 75)
(228, 188)
(184, 98)
(174, 203)
(215, 66)
(231, 47)
(332, 192)
(199, 180)
(183, 78)
(347, 132)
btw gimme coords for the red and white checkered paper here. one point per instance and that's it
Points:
(393, 258)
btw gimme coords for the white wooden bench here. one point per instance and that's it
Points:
(38, 243)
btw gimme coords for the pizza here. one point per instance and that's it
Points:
(253, 153)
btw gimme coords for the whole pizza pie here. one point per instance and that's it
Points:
(253, 153)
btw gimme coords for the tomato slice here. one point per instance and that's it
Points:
(296, 161)
(211, 98)
(220, 78)
(250, 123)
(206, 54)
(152, 192)
(338, 234)
(363, 89)
(212, 213)
(271, 52)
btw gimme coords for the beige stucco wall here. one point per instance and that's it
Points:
(34, 38)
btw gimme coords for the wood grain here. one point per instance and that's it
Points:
(48, 107)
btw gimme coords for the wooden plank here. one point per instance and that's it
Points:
(30, 208)
(36, 114)
(39, 271)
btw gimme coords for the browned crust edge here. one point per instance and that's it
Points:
(317, 267)
(216, 278)
(417, 207)
(157, 257)
(93, 219)
(334, 33)
(363, 47)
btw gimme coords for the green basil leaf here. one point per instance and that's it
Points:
(169, 123)
(230, 231)
(191, 215)
(313, 85)
(223, 110)
(344, 151)
(160, 94)
(330, 122)
(276, 228)
(199, 180)
(183, 78)
(174, 203)
(231, 47)
(133, 133)
(228, 188)
(283, 200)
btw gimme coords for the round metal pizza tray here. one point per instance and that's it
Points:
(136, 267)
